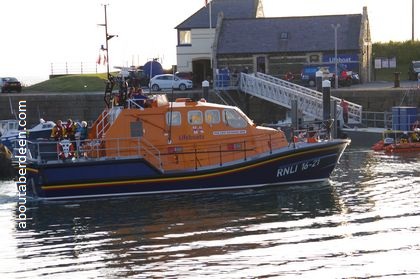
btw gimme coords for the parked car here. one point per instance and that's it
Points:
(345, 77)
(9, 84)
(168, 81)
(185, 75)
(414, 70)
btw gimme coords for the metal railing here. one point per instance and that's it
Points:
(167, 157)
(375, 119)
(106, 119)
(283, 92)
(67, 68)
(384, 120)
(97, 149)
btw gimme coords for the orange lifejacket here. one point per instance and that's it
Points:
(58, 132)
(312, 140)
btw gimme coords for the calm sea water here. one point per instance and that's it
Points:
(365, 223)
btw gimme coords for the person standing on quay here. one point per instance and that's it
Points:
(345, 107)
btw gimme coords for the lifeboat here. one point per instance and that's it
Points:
(399, 142)
(402, 147)
(158, 146)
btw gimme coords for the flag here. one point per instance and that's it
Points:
(98, 61)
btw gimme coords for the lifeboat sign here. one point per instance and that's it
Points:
(299, 167)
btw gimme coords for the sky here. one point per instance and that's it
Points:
(38, 33)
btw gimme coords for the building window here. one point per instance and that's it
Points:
(284, 35)
(313, 58)
(184, 37)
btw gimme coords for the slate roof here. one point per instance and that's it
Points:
(305, 34)
(230, 8)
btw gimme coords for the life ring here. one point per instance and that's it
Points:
(65, 149)
(289, 76)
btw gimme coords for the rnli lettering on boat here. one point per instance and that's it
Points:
(287, 170)
(229, 132)
(303, 166)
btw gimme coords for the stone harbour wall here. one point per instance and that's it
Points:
(87, 106)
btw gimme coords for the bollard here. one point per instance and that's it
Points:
(205, 85)
(397, 79)
(326, 95)
(418, 81)
(334, 126)
(318, 80)
(295, 115)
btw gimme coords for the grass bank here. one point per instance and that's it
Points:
(71, 83)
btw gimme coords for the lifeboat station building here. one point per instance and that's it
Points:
(235, 35)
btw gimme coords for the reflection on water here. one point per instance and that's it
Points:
(357, 226)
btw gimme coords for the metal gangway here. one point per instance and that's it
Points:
(282, 92)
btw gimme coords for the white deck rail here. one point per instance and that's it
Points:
(107, 118)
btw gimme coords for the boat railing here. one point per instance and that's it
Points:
(204, 155)
(152, 154)
(106, 119)
(95, 149)
(133, 104)
(169, 157)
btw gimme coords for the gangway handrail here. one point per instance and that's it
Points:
(282, 92)
(355, 110)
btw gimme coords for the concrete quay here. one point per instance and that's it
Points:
(381, 96)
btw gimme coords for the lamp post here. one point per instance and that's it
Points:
(335, 27)
(412, 20)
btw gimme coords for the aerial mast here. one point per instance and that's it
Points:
(111, 82)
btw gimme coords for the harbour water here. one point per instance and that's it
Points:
(364, 223)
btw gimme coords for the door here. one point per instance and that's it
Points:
(261, 65)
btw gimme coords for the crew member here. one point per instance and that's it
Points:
(58, 132)
(80, 135)
(70, 129)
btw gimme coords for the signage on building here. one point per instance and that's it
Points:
(351, 61)
(385, 63)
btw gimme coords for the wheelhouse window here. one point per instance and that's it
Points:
(176, 118)
(195, 117)
(212, 117)
(184, 37)
(233, 119)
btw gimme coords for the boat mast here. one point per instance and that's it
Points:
(111, 82)
(106, 42)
